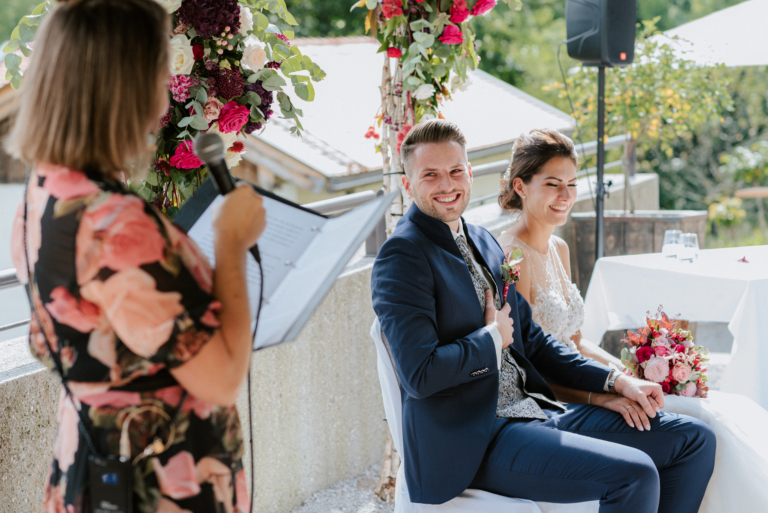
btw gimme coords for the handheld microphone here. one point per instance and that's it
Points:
(210, 149)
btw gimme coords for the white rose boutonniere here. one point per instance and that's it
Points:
(254, 55)
(246, 20)
(233, 158)
(424, 92)
(182, 56)
(170, 6)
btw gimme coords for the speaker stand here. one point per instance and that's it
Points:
(600, 200)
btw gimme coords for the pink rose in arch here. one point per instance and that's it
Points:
(184, 156)
(661, 351)
(459, 11)
(482, 7)
(178, 478)
(212, 109)
(681, 372)
(452, 35)
(233, 117)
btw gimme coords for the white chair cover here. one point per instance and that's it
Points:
(471, 500)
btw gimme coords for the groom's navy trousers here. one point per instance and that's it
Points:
(447, 366)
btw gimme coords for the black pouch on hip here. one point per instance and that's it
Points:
(111, 484)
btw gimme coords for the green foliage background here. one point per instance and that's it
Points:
(519, 46)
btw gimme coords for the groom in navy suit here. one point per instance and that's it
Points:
(434, 283)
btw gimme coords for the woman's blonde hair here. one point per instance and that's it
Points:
(91, 91)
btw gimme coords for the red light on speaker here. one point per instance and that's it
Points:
(623, 56)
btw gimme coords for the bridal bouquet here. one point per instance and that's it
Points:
(663, 353)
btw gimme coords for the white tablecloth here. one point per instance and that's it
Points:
(716, 288)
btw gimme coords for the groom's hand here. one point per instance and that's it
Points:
(647, 394)
(500, 319)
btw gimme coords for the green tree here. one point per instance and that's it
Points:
(10, 13)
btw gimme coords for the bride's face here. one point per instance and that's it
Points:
(551, 193)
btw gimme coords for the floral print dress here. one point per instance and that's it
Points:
(124, 296)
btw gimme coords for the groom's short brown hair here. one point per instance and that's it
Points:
(432, 131)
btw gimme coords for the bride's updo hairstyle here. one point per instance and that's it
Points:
(529, 154)
(93, 85)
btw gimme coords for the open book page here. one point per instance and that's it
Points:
(289, 231)
(315, 272)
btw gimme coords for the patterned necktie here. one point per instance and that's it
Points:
(478, 279)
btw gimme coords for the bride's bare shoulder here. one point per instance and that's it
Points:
(562, 246)
(507, 240)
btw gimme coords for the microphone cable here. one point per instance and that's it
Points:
(250, 399)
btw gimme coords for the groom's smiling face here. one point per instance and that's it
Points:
(439, 179)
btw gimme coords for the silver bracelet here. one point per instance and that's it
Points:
(589, 398)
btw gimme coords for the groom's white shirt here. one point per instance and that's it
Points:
(491, 328)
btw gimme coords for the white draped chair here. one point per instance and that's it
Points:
(471, 500)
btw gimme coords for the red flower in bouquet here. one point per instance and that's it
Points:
(233, 117)
(185, 158)
(482, 7)
(452, 35)
(665, 354)
(510, 269)
(394, 53)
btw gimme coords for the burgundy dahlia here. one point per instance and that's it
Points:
(229, 83)
(266, 102)
(210, 17)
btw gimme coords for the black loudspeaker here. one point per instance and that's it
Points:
(601, 32)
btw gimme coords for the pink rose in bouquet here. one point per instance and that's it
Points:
(681, 372)
(233, 117)
(657, 369)
(452, 35)
(689, 390)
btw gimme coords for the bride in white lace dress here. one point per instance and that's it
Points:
(541, 185)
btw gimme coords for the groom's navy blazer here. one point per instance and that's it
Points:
(444, 358)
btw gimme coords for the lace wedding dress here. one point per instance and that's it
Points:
(740, 479)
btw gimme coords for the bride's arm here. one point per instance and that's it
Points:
(631, 411)
(586, 347)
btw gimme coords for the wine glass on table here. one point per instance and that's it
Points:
(672, 243)
(690, 247)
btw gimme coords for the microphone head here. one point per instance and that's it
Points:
(209, 147)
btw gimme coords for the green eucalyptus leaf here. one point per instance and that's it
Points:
(261, 21)
(152, 178)
(289, 19)
(371, 4)
(26, 33)
(185, 122)
(413, 81)
(12, 46)
(25, 49)
(273, 83)
(439, 70)
(282, 51)
(16, 82)
(305, 91)
(199, 122)
(182, 135)
(12, 61)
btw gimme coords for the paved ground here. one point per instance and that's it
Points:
(351, 496)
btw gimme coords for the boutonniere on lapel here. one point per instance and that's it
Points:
(510, 269)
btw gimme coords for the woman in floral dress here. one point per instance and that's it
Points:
(129, 306)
